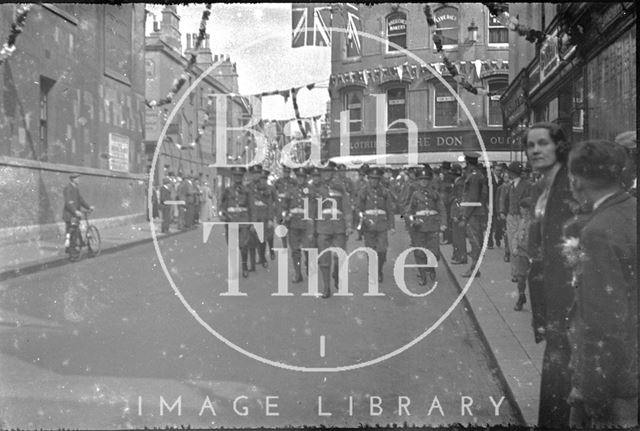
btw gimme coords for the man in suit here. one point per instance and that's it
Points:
(73, 203)
(518, 189)
(604, 329)
(165, 209)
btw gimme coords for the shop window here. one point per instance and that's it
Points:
(396, 107)
(445, 105)
(498, 34)
(446, 19)
(396, 31)
(494, 111)
(353, 104)
(578, 104)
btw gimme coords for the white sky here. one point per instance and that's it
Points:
(257, 37)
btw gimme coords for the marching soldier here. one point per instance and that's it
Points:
(335, 225)
(410, 186)
(282, 186)
(446, 185)
(264, 202)
(236, 205)
(165, 195)
(300, 230)
(458, 235)
(375, 207)
(358, 186)
(474, 213)
(428, 217)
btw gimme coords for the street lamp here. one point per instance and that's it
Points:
(473, 32)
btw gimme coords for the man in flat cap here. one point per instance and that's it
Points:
(376, 211)
(73, 204)
(518, 189)
(474, 214)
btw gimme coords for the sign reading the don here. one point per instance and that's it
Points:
(397, 143)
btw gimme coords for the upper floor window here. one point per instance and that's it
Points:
(396, 31)
(446, 19)
(494, 110)
(445, 105)
(396, 106)
(498, 34)
(353, 104)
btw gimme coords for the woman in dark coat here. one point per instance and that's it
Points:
(550, 280)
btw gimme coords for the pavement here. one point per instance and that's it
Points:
(506, 333)
(35, 255)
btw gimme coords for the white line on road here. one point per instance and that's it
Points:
(322, 346)
(470, 204)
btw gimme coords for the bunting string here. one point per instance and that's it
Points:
(179, 82)
(17, 26)
(501, 12)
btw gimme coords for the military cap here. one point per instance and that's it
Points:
(425, 173)
(446, 165)
(257, 168)
(364, 168)
(375, 172)
(515, 167)
(471, 156)
(238, 170)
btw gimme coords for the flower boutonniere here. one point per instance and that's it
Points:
(574, 255)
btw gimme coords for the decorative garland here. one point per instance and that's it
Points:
(178, 83)
(501, 12)
(460, 79)
(16, 28)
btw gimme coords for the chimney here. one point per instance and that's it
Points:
(188, 41)
(204, 58)
(170, 27)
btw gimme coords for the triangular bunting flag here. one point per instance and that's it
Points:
(478, 65)
(399, 72)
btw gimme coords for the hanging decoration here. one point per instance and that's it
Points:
(179, 82)
(296, 109)
(17, 26)
(501, 12)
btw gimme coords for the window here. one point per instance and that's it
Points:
(45, 87)
(447, 26)
(445, 105)
(578, 104)
(498, 34)
(396, 31)
(494, 110)
(396, 107)
(353, 104)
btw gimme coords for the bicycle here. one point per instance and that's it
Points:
(90, 239)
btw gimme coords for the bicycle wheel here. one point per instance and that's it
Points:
(93, 241)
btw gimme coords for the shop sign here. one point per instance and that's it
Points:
(118, 152)
(432, 141)
(549, 56)
(397, 25)
(534, 78)
(514, 103)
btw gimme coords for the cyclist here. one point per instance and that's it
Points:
(73, 203)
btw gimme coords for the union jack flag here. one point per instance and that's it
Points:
(311, 24)
(354, 26)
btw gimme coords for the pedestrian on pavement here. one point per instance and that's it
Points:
(71, 212)
(428, 217)
(182, 191)
(518, 189)
(334, 227)
(458, 234)
(259, 214)
(165, 208)
(197, 206)
(376, 210)
(189, 217)
(300, 227)
(446, 188)
(236, 205)
(474, 214)
(266, 200)
(175, 210)
(207, 202)
(604, 321)
(520, 261)
(547, 149)
(500, 201)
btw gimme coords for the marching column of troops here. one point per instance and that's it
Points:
(321, 207)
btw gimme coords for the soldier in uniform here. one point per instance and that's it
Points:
(236, 205)
(282, 186)
(410, 186)
(428, 217)
(458, 234)
(332, 231)
(300, 230)
(375, 208)
(264, 204)
(446, 185)
(474, 214)
(165, 195)
(358, 186)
